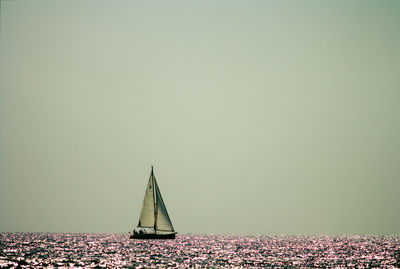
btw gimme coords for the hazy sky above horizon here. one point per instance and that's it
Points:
(258, 116)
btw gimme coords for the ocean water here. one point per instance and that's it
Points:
(35, 250)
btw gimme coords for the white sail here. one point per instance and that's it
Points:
(163, 222)
(147, 215)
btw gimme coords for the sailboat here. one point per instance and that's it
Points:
(154, 221)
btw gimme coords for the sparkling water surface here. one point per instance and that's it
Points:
(35, 250)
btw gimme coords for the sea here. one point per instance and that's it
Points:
(88, 250)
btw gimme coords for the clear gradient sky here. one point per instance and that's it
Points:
(258, 116)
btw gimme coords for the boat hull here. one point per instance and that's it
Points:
(152, 236)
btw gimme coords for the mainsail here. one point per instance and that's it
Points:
(154, 213)
(147, 214)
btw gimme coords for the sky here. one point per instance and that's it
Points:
(260, 117)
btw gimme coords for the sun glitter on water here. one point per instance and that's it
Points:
(25, 250)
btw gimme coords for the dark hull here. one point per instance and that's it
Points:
(152, 236)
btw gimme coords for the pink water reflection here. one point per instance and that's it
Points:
(197, 251)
